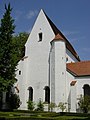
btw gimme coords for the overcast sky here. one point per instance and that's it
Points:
(72, 17)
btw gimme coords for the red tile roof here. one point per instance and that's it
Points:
(58, 37)
(79, 68)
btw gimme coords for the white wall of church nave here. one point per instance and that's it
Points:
(81, 81)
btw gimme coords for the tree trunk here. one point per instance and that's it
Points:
(4, 103)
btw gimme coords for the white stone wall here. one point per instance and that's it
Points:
(73, 102)
(69, 79)
(60, 72)
(37, 71)
(74, 92)
(81, 81)
(22, 83)
(52, 73)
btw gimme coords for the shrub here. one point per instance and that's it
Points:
(52, 106)
(31, 105)
(14, 101)
(40, 106)
(84, 103)
(62, 106)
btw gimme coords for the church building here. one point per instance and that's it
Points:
(51, 70)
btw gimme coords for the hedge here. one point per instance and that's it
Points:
(34, 115)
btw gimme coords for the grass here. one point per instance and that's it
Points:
(27, 115)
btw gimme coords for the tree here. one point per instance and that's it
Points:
(11, 51)
(8, 58)
(19, 43)
(84, 103)
(8, 53)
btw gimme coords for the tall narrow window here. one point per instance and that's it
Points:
(86, 90)
(40, 36)
(19, 72)
(30, 93)
(47, 94)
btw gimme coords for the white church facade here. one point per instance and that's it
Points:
(51, 70)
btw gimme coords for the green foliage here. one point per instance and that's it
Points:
(40, 106)
(31, 115)
(11, 49)
(19, 44)
(14, 101)
(52, 106)
(62, 106)
(84, 103)
(31, 105)
(3, 84)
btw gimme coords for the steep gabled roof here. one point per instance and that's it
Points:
(79, 68)
(59, 33)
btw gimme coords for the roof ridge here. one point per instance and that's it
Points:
(79, 62)
(86, 61)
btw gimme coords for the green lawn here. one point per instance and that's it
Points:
(26, 115)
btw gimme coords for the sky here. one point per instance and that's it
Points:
(72, 18)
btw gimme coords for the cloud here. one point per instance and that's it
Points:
(31, 14)
(74, 35)
(18, 15)
(86, 49)
(67, 33)
(77, 39)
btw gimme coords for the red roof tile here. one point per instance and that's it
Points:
(79, 68)
(58, 37)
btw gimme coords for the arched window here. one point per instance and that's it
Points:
(30, 93)
(86, 90)
(47, 94)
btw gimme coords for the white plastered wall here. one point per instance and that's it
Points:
(37, 72)
(60, 72)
